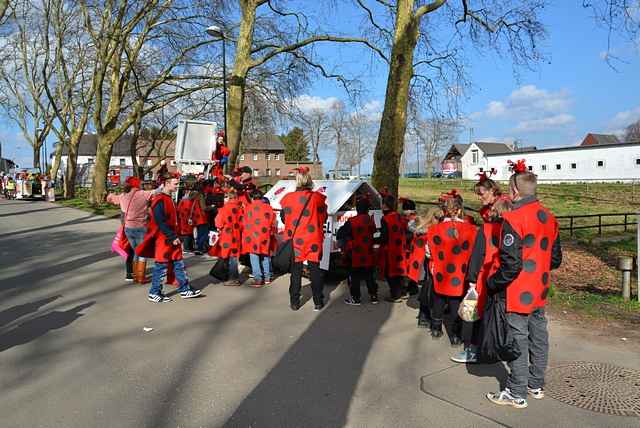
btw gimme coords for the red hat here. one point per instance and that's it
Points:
(133, 181)
(301, 169)
(483, 176)
(518, 167)
(220, 133)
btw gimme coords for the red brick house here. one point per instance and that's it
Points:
(599, 140)
(265, 155)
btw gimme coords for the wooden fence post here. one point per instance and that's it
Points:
(599, 224)
(571, 226)
(625, 222)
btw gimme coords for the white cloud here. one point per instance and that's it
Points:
(308, 103)
(530, 103)
(545, 123)
(496, 109)
(625, 118)
(372, 110)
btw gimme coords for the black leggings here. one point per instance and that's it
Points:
(453, 323)
(317, 282)
(357, 276)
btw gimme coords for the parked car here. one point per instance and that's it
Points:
(455, 174)
(436, 174)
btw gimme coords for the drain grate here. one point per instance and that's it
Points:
(602, 388)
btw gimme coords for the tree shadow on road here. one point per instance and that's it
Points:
(315, 380)
(39, 326)
(79, 221)
(17, 213)
(9, 315)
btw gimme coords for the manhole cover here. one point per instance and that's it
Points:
(597, 387)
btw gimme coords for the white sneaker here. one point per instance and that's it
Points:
(506, 398)
(537, 393)
(465, 357)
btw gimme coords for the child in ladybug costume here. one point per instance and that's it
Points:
(484, 262)
(258, 234)
(529, 249)
(450, 243)
(220, 156)
(229, 223)
(408, 217)
(391, 254)
(358, 232)
(185, 221)
(161, 242)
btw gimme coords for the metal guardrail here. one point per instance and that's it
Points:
(572, 227)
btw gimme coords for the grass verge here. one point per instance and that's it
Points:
(81, 202)
(597, 306)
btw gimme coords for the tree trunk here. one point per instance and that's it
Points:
(101, 168)
(390, 144)
(55, 165)
(235, 99)
(36, 155)
(72, 168)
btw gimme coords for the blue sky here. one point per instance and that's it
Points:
(574, 93)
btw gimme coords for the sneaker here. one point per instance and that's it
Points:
(318, 308)
(506, 398)
(436, 333)
(424, 323)
(465, 357)
(128, 278)
(295, 306)
(455, 340)
(232, 283)
(198, 253)
(190, 294)
(374, 299)
(254, 283)
(537, 393)
(351, 301)
(158, 298)
(267, 282)
(392, 299)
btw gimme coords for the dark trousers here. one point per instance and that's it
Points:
(357, 276)
(412, 287)
(424, 298)
(471, 332)
(202, 237)
(453, 323)
(317, 282)
(187, 242)
(128, 264)
(395, 286)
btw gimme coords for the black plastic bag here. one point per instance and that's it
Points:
(220, 270)
(283, 258)
(497, 342)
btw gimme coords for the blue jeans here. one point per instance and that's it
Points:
(530, 331)
(202, 238)
(261, 267)
(160, 273)
(135, 236)
(233, 268)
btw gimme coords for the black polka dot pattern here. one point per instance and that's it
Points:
(463, 268)
(544, 294)
(451, 233)
(526, 298)
(306, 213)
(299, 241)
(542, 216)
(544, 243)
(495, 241)
(456, 282)
(247, 239)
(420, 243)
(451, 268)
(264, 230)
(314, 248)
(456, 250)
(440, 255)
(290, 233)
(529, 266)
(465, 245)
(439, 277)
(415, 265)
(287, 211)
(302, 200)
(257, 222)
(311, 228)
(545, 278)
(437, 240)
(394, 228)
(529, 241)
(226, 245)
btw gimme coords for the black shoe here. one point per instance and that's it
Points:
(198, 252)
(129, 277)
(351, 301)
(424, 323)
(392, 299)
(455, 341)
(436, 334)
(318, 308)
(295, 306)
(374, 299)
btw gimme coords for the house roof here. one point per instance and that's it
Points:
(459, 148)
(89, 144)
(493, 148)
(602, 139)
(264, 142)
(568, 148)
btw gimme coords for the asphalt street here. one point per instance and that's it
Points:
(73, 352)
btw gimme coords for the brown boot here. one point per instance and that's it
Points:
(140, 272)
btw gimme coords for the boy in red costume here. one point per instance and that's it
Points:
(229, 224)
(185, 221)
(529, 249)
(393, 235)
(161, 242)
(358, 231)
(408, 217)
(257, 238)
(449, 245)
(220, 156)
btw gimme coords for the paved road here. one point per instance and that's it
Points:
(73, 352)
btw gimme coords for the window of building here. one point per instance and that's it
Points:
(255, 156)
(278, 158)
(530, 168)
(242, 157)
(558, 166)
(173, 163)
(90, 160)
(543, 167)
(149, 162)
(474, 157)
(268, 172)
(637, 161)
(278, 170)
(123, 162)
(268, 156)
(600, 164)
(481, 169)
(574, 166)
(256, 172)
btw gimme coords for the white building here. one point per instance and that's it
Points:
(475, 157)
(595, 160)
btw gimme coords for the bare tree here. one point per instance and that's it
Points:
(632, 133)
(433, 136)
(316, 124)
(427, 43)
(338, 122)
(361, 135)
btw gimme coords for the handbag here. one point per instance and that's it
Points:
(498, 344)
(220, 270)
(283, 258)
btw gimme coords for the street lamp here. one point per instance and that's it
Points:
(215, 31)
